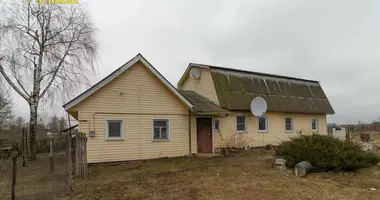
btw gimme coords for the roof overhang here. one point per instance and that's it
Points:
(120, 70)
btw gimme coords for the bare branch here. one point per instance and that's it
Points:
(6, 110)
(54, 72)
(12, 84)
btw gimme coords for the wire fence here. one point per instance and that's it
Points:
(46, 177)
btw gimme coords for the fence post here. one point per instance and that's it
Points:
(51, 156)
(79, 149)
(70, 164)
(348, 133)
(24, 147)
(81, 155)
(14, 156)
(85, 156)
(77, 154)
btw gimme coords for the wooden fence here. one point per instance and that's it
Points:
(81, 155)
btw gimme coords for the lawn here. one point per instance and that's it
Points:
(248, 175)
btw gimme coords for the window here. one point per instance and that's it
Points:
(114, 129)
(160, 129)
(241, 123)
(263, 124)
(216, 125)
(314, 124)
(288, 124)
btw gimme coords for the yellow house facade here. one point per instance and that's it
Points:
(135, 113)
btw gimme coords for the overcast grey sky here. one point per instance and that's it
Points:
(335, 42)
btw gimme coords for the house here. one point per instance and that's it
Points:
(294, 105)
(135, 113)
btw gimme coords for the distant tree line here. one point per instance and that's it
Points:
(53, 122)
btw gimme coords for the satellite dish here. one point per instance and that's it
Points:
(258, 106)
(195, 73)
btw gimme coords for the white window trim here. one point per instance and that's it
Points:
(168, 129)
(289, 131)
(245, 123)
(106, 134)
(213, 124)
(316, 123)
(266, 124)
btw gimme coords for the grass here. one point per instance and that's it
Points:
(248, 175)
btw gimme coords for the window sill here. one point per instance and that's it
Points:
(114, 139)
(262, 131)
(160, 140)
(241, 131)
(289, 131)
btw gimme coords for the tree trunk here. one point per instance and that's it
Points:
(33, 131)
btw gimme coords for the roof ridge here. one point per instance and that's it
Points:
(252, 72)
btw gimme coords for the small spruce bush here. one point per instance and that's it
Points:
(326, 153)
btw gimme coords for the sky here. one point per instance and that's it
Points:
(334, 42)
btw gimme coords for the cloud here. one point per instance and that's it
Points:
(335, 42)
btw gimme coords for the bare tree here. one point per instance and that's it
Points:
(19, 122)
(6, 111)
(53, 122)
(62, 123)
(45, 50)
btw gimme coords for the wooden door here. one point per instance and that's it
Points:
(204, 135)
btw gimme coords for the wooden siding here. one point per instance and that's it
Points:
(276, 128)
(137, 97)
(194, 146)
(203, 86)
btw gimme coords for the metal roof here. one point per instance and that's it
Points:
(202, 105)
(235, 90)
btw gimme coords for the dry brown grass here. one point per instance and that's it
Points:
(248, 175)
(35, 181)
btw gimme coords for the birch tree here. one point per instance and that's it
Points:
(6, 111)
(45, 50)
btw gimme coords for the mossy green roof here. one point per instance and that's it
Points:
(236, 89)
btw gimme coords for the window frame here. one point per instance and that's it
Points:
(316, 124)
(245, 123)
(167, 128)
(266, 124)
(106, 129)
(292, 124)
(214, 125)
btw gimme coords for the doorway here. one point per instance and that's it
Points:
(204, 135)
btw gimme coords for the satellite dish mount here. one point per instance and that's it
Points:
(195, 73)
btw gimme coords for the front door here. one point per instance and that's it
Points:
(204, 135)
